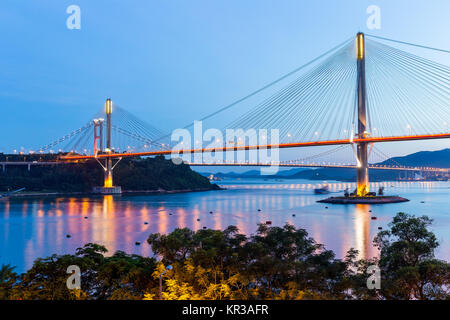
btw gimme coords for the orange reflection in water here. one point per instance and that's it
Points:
(163, 218)
(362, 231)
(118, 222)
(106, 232)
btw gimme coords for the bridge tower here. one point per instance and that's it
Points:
(362, 171)
(108, 171)
(98, 135)
(108, 187)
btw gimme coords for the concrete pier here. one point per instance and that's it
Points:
(364, 200)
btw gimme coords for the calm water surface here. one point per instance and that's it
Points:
(31, 228)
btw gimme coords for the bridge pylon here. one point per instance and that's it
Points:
(108, 186)
(362, 171)
(108, 171)
(98, 135)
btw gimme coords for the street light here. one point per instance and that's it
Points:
(169, 267)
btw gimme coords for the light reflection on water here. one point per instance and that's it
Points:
(32, 228)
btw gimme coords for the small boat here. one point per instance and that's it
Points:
(6, 195)
(323, 190)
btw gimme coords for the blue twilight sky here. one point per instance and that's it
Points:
(174, 61)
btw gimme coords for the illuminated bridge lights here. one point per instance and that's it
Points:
(269, 146)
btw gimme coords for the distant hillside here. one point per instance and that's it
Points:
(438, 159)
(247, 174)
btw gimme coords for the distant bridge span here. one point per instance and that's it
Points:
(316, 165)
(29, 164)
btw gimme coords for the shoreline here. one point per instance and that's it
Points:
(126, 192)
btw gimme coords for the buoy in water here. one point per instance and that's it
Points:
(68, 236)
(293, 215)
(210, 212)
(259, 210)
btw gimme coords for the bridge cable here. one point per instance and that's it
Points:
(408, 43)
(267, 85)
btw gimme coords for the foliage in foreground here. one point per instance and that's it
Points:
(275, 263)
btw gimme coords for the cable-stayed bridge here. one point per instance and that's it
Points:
(360, 93)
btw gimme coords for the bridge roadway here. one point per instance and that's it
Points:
(316, 165)
(3, 164)
(255, 147)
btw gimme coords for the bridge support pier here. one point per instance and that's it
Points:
(108, 174)
(108, 186)
(362, 171)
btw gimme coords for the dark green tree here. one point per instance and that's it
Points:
(7, 280)
(409, 269)
(46, 280)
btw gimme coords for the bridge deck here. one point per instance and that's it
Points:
(254, 147)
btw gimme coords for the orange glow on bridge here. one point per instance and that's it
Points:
(267, 146)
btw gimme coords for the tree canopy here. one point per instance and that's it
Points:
(274, 263)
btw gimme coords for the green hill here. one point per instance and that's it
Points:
(437, 159)
(131, 174)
